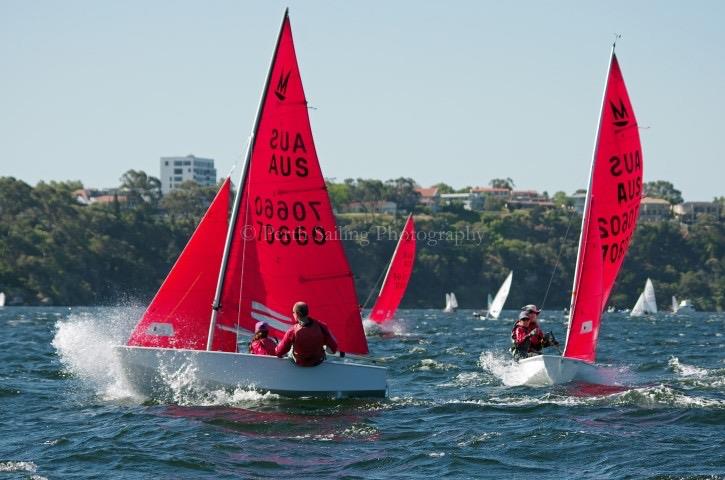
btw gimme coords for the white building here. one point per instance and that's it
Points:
(177, 170)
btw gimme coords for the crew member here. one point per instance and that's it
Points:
(307, 338)
(261, 343)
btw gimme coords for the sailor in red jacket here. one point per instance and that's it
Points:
(308, 337)
(528, 338)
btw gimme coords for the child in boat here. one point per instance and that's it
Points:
(261, 343)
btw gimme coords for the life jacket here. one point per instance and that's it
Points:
(262, 346)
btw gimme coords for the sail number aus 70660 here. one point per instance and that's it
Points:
(297, 211)
(282, 210)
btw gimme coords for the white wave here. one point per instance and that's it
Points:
(659, 395)
(84, 345)
(29, 467)
(503, 367)
(686, 370)
(391, 327)
(428, 364)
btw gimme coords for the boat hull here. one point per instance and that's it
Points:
(544, 370)
(148, 370)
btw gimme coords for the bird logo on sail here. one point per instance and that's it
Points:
(621, 116)
(274, 319)
(281, 90)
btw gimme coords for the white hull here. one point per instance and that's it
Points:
(554, 370)
(148, 369)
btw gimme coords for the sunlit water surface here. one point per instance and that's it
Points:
(454, 409)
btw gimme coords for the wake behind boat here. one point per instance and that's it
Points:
(274, 251)
(610, 217)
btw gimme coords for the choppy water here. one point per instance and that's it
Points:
(453, 410)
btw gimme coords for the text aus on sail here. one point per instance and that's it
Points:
(288, 221)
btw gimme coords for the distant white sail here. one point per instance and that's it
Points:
(495, 306)
(646, 303)
(2, 299)
(675, 304)
(451, 303)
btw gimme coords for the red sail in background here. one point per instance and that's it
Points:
(286, 246)
(396, 279)
(178, 316)
(610, 216)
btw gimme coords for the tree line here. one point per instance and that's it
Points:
(56, 251)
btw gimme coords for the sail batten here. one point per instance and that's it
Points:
(610, 214)
(397, 276)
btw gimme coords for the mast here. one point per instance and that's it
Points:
(587, 203)
(238, 196)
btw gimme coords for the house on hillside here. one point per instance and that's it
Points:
(689, 212)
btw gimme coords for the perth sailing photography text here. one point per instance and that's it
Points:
(274, 321)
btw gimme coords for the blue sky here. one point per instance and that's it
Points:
(459, 92)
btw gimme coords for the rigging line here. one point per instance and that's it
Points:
(375, 287)
(245, 234)
(558, 257)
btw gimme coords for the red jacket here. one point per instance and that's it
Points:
(309, 343)
(520, 332)
(262, 346)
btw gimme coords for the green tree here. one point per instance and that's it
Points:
(506, 183)
(664, 190)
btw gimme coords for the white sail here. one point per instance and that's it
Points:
(451, 303)
(649, 297)
(646, 303)
(2, 299)
(454, 302)
(675, 305)
(488, 303)
(638, 309)
(495, 307)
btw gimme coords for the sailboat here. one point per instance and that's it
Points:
(646, 303)
(610, 217)
(451, 303)
(279, 246)
(496, 305)
(397, 275)
(2, 299)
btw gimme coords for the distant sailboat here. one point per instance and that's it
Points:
(610, 216)
(646, 303)
(496, 304)
(2, 299)
(278, 247)
(451, 303)
(397, 276)
(685, 306)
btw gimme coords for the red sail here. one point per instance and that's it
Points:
(178, 316)
(396, 279)
(286, 246)
(610, 215)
